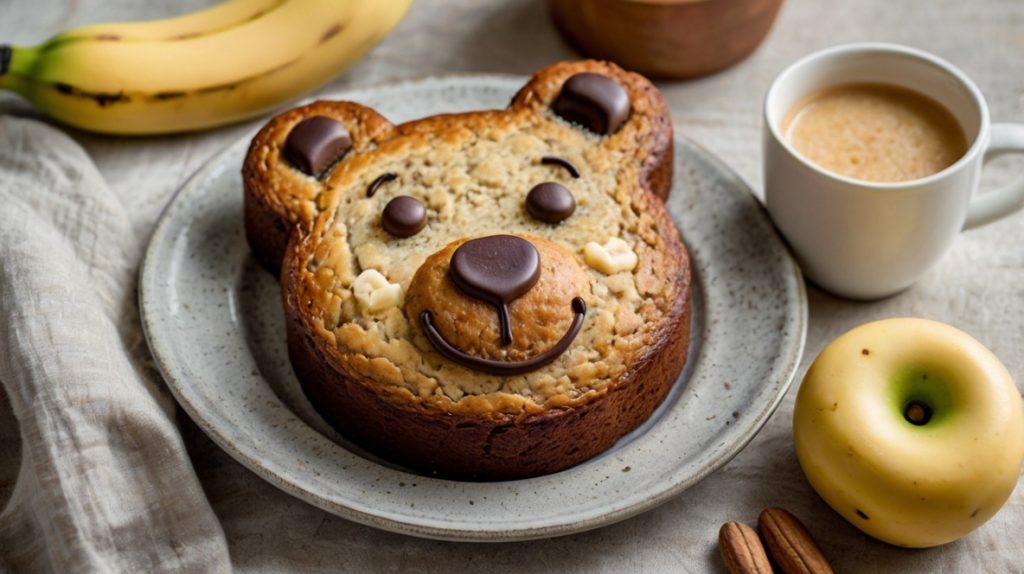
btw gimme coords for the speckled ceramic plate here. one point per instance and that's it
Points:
(214, 322)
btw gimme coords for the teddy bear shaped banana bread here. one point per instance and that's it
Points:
(489, 295)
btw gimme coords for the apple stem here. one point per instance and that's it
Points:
(917, 413)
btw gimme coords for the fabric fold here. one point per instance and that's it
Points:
(105, 483)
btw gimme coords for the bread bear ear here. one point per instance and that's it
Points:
(624, 108)
(288, 163)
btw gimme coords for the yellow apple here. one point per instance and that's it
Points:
(911, 430)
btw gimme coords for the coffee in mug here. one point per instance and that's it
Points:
(875, 132)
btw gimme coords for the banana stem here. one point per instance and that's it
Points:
(16, 64)
(8, 81)
(5, 58)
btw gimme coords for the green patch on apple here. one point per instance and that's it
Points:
(922, 397)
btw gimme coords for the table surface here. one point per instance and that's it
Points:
(978, 286)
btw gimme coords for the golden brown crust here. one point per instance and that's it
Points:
(472, 446)
(279, 197)
(374, 376)
(649, 127)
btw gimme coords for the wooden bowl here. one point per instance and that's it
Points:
(666, 38)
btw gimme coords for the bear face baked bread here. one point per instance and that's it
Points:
(488, 295)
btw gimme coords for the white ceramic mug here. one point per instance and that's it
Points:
(866, 240)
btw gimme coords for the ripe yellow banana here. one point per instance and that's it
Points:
(220, 65)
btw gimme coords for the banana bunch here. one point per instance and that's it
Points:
(227, 63)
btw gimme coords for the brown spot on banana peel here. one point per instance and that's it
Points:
(162, 96)
(108, 99)
(226, 87)
(102, 99)
(331, 32)
(105, 100)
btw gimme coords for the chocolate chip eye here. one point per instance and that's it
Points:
(404, 216)
(560, 162)
(594, 101)
(315, 144)
(550, 202)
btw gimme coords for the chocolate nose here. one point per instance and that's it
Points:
(496, 270)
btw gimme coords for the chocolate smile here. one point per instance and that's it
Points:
(448, 351)
(498, 270)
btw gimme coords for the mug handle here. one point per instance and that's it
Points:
(988, 207)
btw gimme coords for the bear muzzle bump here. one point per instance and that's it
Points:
(501, 304)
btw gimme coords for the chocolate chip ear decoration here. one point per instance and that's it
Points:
(594, 101)
(561, 162)
(496, 270)
(550, 202)
(404, 216)
(316, 143)
(507, 368)
(379, 181)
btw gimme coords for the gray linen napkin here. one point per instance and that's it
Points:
(105, 483)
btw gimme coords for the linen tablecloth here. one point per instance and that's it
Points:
(105, 482)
